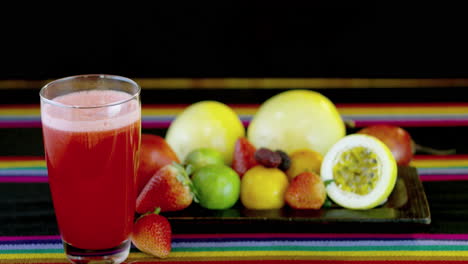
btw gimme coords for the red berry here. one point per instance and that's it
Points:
(152, 234)
(168, 189)
(243, 157)
(306, 191)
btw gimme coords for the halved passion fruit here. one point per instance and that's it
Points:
(361, 170)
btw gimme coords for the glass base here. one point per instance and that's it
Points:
(116, 254)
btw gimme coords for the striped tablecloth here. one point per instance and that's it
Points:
(268, 248)
(403, 114)
(430, 168)
(272, 247)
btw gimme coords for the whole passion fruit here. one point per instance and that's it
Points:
(296, 119)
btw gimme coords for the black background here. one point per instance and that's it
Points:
(260, 39)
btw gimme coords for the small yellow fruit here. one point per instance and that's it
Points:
(304, 160)
(263, 188)
(206, 124)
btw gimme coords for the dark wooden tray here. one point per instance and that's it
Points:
(406, 208)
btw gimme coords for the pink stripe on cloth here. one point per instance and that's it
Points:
(443, 177)
(327, 235)
(155, 124)
(407, 105)
(21, 124)
(24, 179)
(16, 238)
(440, 157)
(357, 123)
(21, 158)
(412, 123)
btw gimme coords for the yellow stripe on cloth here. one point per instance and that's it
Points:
(251, 109)
(249, 255)
(156, 111)
(22, 164)
(51, 256)
(266, 83)
(434, 163)
(320, 255)
(419, 163)
(14, 111)
(325, 254)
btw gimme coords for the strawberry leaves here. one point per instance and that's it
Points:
(184, 177)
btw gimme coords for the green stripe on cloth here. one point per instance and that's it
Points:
(325, 248)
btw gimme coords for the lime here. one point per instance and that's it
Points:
(218, 186)
(362, 172)
(263, 188)
(206, 124)
(296, 119)
(202, 157)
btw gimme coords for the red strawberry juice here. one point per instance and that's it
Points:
(92, 159)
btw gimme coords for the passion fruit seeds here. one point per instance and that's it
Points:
(357, 170)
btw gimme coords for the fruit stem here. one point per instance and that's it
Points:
(433, 151)
(189, 169)
(350, 123)
(157, 210)
(327, 182)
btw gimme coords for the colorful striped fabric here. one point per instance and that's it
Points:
(430, 168)
(270, 248)
(259, 247)
(160, 116)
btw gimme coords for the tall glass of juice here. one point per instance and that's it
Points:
(91, 128)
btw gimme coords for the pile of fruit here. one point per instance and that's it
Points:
(294, 153)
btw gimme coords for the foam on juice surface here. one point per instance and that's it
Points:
(91, 119)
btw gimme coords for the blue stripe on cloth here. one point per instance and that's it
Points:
(31, 246)
(23, 172)
(318, 243)
(194, 243)
(437, 171)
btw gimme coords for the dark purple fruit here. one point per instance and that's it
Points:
(268, 158)
(285, 160)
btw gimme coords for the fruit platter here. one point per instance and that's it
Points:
(399, 212)
(292, 168)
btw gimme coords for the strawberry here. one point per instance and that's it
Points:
(306, 191)
(169, 188)
(243, 157)
(152, 234)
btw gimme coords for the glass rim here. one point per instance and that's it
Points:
(97, 76)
